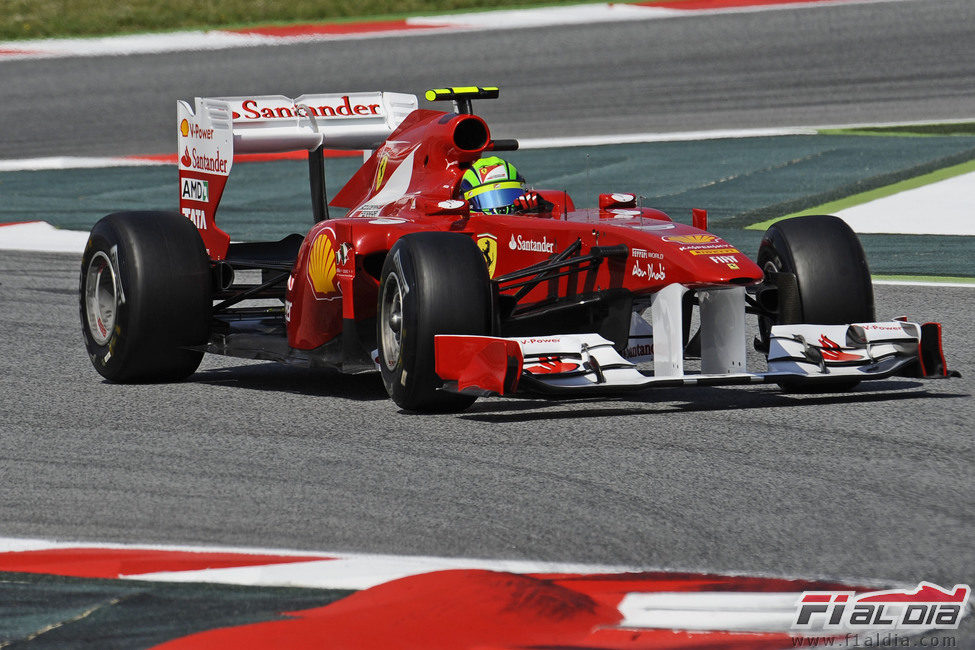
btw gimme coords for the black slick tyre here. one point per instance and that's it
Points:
(431, 283)
(832, 280)
(145, 297)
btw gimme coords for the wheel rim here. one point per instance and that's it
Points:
(391, 319)
(101, 298)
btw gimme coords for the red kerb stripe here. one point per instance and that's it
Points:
(112, 563)
(18, 223)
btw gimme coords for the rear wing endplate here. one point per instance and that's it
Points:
(214, 129)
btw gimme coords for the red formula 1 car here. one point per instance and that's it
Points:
(450, 304)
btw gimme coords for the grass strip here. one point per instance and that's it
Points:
(23, 19)
(969, 282)
(908, 130)
(30, 19)
(874, 194)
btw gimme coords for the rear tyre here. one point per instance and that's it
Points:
(431, 283)
(832, 279)
(145, 295)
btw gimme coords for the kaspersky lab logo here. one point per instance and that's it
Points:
(928, 607)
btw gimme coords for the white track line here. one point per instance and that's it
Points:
(93, 162)
(90, 162)
(676, 136)
(926, 283)
(41, 237)
(638, 598)
(583, 14)
(359, 570)
(346, 571)
(75, 162)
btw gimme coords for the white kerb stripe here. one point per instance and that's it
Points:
(738, 611)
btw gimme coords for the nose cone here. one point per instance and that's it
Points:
(707, 259)
(725, 268)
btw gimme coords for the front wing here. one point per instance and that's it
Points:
(583, 364)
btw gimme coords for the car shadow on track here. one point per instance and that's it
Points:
(693, 400)
(368, 387)
(322, 382)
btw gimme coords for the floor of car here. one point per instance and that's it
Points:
(284, 251)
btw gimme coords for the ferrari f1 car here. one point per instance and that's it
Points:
(449, 304)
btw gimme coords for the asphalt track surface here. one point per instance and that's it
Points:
(866, 63)
(876, 483)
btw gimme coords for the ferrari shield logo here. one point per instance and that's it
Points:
(381, 171)
(489, 248)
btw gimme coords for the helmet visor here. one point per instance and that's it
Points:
(489, 197)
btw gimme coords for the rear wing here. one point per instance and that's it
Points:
(214, 129)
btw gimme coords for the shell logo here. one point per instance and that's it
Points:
(691, 239)
(321, 265)
(184, 128)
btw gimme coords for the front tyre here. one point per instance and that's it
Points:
(145, 296)
(832, 279)
(431, 283)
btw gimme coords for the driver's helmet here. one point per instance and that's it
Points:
(491, 185)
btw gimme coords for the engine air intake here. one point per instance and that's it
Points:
(471, 134)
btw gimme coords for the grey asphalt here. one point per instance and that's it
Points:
(875, 483)
(888, 61)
